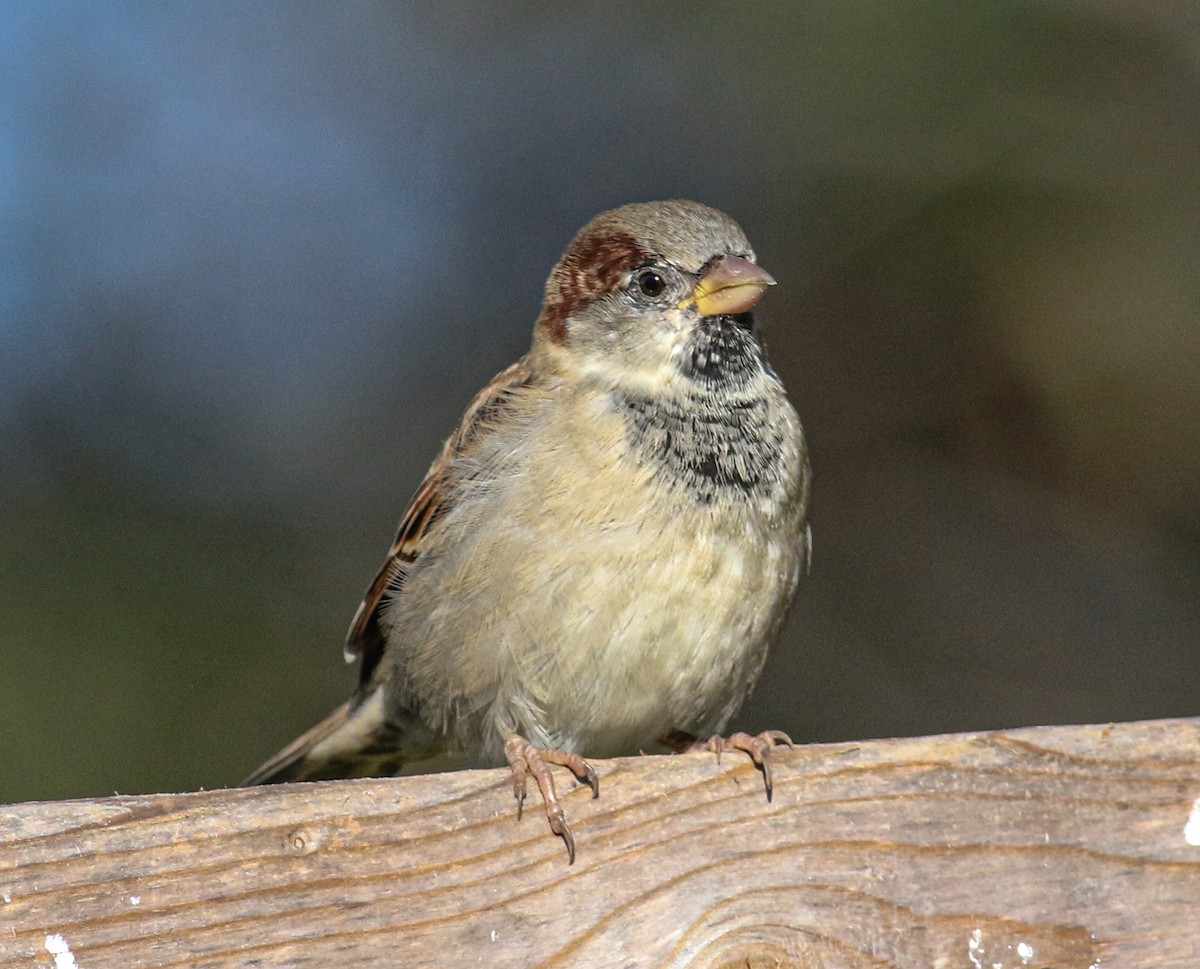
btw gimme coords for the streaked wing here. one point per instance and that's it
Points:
(433, 499)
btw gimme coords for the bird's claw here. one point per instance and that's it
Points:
(524, 759)
(758, 746)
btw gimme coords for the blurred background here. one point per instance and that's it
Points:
(257, 257)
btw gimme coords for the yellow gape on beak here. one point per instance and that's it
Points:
(732, 285)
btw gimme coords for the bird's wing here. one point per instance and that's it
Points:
(433, 498)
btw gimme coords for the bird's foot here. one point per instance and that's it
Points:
(527, 759)
(758, 746)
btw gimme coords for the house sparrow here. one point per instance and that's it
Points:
(607, 544)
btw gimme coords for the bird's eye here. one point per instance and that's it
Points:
(651, 283)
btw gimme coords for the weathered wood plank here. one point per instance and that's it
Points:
(1055, 846)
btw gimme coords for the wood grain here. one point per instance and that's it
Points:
(1053, 846)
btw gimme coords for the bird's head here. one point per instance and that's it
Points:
(656, 296)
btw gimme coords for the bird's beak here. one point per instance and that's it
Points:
(732, 285)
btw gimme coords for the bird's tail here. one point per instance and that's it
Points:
(356, 740)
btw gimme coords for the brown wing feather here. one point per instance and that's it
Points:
(433, 499)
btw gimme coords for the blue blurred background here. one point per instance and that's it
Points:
(257, 257)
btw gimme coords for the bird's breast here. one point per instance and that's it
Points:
(621, 577)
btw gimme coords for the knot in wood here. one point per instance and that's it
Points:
(302, 841)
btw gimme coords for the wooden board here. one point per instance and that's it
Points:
(1070, 847)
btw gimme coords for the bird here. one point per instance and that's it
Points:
(606, 546)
